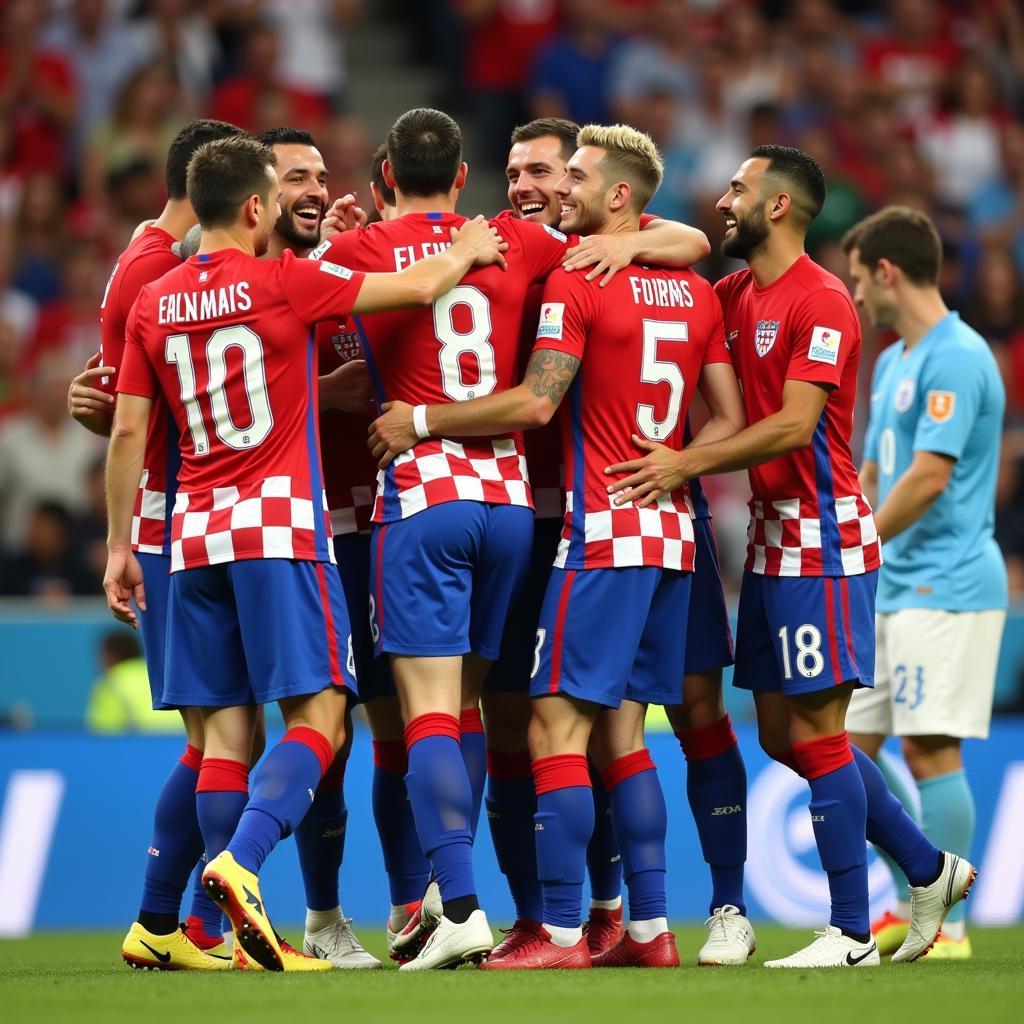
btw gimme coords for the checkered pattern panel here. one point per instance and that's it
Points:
(149, 518)
(353, 511)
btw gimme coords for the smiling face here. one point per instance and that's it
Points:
(584, 193)
(746, 223)
(304, 195)
(534, 168)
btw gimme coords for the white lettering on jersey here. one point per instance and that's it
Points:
(552, 315)
(825, 345)
(407, 255)
(659, 291)
(187, 307)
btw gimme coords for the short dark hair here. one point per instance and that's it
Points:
(424, 150)
(186, 142)
(800, 171)
(558, 127)
(285, 136)
(223, 174)
(904, 237)
(387, 193)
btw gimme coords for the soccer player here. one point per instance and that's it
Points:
(628, 356)
(155, 940)
(452, 520)
(805, 637)
(253, 615)
(930, 465)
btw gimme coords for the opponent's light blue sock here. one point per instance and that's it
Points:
(900, 790)
(604, 864)
(641, 822)
(474, 756)
(839, 817)
(406, 865)
(281, 792)
(716, 786)
(320, 839)
(563, 826)
(948, 818)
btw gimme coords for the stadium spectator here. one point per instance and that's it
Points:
(47, 565)
(997, 205)
(757, 71)
(38, 236)
(120, 701)
(90, 527)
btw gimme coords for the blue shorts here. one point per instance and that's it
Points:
(444, 578)
(708, 633)
(511, 672)
(352, 551)
(609, 635)
(799, 634)
(156, 580)
(256, 631)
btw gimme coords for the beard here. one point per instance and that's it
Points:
(583, 220)
(750, 233)
(303, 238)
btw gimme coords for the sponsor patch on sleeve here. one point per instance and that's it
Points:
(825, 345)
(333, 268)
(552, 315)
(555, 233)
(941, 405)
(316, 253)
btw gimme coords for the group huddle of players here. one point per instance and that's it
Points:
(296, 439)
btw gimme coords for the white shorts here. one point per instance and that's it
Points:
(935, 674)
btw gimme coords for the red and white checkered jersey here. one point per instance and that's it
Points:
(228, 339)
(642, 342)
(808, 515)
(147, 258)
(350, 471)
(466, 345)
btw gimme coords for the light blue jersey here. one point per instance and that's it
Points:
(944, 395)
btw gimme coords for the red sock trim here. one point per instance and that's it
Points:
(507, 767)
(192, 758)
(391, 756)
(824, 755)
(708, 741)
(334, 777)
(563, 771)
(316, 741)
(626, 767)
(222, 775)
(433, 723)
(786, 757)
(470, 720)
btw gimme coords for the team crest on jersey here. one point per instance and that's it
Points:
(764, 336)
(941, 405)
(904, 397)
(347, 346)
(551, 315)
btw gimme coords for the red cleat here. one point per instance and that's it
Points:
(539, 953)
(603, 930)
(627, 952)
(518, 935)
(196, 931)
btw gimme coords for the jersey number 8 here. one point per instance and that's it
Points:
(475, 342)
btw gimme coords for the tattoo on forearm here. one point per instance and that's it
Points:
(550, 373)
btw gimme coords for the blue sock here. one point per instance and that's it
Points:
(221, 795)
(891, 828)
(604, 864)
(177, 841)
(511, 803)
(204, 913)
(947, 816)
(716, 787)
(320, 840)
(442, 801)
(474, 755)
(839, 817)
(641, 821)
(407, 868)
(280, 795)
(895, 784)
(563, 826)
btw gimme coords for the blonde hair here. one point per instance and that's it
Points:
(630, 156)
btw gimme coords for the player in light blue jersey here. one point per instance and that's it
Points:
(931, 457)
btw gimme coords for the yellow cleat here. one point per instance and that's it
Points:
(143, 950)
(293, 961)
(238, 893)
(946, 948)
(889, 932)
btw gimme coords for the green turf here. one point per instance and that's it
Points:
(79, 978)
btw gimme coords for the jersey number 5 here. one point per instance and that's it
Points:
(179, 354)
(654, 370)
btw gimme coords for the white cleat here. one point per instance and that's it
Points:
(730, 938)
(452, 944)
(832, 948)
(423, 920)
(929, 905)
(338, 943)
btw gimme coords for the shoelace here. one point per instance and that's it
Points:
(719, 924)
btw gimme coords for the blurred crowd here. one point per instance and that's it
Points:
(909, 101)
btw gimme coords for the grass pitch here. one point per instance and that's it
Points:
(80, 978)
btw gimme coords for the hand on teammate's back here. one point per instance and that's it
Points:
(655, 474)
(484, 240)
(347, 388)
(392, 433)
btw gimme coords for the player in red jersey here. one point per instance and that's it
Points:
(628, 356)
(806, 617)
(176, 844)
(254, 616)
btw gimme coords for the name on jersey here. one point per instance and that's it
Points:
(185, 307)
(659, 291)
(407, 255)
